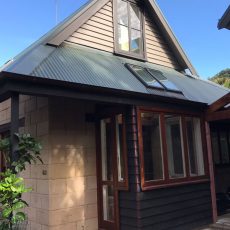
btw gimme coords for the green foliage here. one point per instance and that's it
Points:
(11, 185)
(222, 78)
(11, 190)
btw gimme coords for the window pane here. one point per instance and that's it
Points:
(120, 148)
(135, 41)
(135, 17)
(106, 150)
(108, 203)
(153, 160)
(123, 38)
(215, 148)
(195, 150)
(174, 146)
(122, 13)
(146, 77)
(224, 147)
(160, 77)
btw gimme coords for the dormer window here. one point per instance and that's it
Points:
(129, 29)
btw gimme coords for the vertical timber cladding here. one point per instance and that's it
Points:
(98, 33)
(182, 207)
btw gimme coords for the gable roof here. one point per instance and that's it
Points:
(224, 22)
(76, 65)
(61, 32)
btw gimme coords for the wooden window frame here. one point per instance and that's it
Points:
(142, 56)
(167, 181)
(112, 113)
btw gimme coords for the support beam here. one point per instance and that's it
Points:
(14, 126)
(219, 115)
(219, 104)
(211, 172)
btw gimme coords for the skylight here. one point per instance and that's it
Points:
(144, 75)
(152, 78)
(160, 77)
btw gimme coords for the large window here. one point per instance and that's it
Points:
(129, 31)
(171, 149)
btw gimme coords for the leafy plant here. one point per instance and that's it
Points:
(222, 78)
(11, 190)
(11, 185)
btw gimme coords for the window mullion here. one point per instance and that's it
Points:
(164, 146)
(129, 26)
(185, 147)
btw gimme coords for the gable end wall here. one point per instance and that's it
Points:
(98, 33)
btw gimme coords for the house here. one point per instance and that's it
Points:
(224, 22)
(124, 121)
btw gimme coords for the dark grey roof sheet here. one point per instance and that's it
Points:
(82, 65)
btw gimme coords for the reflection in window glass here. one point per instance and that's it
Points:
(146, 77)
(160, 77)
(174, 146)
(120, 148)
(129, 27)
(135, 17)
(224, 147)
(106, 149)
(108, 203)
(123, 38)
(194, 141)
(122, 13)
(135, 41)
(152, 150)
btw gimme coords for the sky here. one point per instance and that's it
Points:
(194, 23)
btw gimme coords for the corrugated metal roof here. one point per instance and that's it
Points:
(77, 64)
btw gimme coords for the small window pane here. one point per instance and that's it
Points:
(195, 150)
(215, 148)
(146, 77)
(224, 147)
(160, 77)
(122, 13)
(106, 150)
(135, 41)
(108, 203)
(120, 148)
(123, 38)
(152, 151)
(135, 17)
(174, 146)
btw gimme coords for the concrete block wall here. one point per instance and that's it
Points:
(64, 192)
(64, 188)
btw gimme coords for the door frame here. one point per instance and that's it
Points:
(103, 114)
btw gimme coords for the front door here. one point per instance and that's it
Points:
(111, 171)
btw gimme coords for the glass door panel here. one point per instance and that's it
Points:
(106, 150)
(108, 203)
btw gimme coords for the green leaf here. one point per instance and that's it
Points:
(18, 205)
(6, 212)
(18, 217)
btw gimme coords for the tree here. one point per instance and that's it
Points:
(222, 78)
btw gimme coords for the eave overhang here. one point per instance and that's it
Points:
(29, 85)
(224, 22)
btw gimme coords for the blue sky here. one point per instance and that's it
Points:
(194, 22)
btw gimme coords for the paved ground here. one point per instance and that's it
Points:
(223, 223)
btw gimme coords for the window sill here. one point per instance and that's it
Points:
(130, 55)
(178, 182)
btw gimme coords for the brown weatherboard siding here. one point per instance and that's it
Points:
(98, 33)
(173, 208)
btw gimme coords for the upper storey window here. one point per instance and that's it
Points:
(129, 29)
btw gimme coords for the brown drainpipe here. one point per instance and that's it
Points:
(211, 171)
